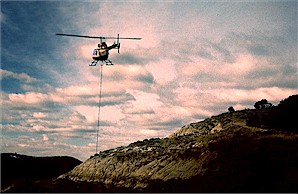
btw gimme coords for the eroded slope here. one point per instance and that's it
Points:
(218, 154)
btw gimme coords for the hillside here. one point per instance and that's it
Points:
(241, 151)
(21, 171)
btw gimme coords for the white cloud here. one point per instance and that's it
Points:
(27, 98)
(39, 115)
(19, 76)
(164, 71)
(110, 114)
(41, 147)
(2, 17)
(23, 145)
(45, 137)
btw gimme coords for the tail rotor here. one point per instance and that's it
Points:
(118, 43)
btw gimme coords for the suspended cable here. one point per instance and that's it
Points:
(99, 104)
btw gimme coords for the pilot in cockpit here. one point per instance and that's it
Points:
(103, 45)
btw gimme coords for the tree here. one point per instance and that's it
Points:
(231, 109)
(262, 104)
(289, 103)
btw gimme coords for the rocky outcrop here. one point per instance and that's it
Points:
(219, 154)
(199, 128)
(135, 165)
(180, 156)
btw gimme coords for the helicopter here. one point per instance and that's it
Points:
(101, 52)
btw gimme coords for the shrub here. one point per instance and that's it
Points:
(262, 104)
(231, 109)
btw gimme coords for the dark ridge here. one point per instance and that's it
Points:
(17, 168)
(281, 117)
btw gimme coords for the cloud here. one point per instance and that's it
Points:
(39, 115)
(164, 71)
(41, 147)
(19, 76)
(27, 98)
(2, 17)
(45, 137)
(73, 95)
(128, 58)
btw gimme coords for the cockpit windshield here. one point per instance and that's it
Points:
(103, 45)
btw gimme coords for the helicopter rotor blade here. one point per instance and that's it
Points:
(123, 38)
(81, 36)
(96, 37)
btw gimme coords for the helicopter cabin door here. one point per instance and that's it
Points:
(96, 54)
(100, 54)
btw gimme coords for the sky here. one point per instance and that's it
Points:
(195, 60)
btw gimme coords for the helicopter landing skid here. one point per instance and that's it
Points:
(93, 63)
(107, 62)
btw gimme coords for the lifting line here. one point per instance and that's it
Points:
(99, 103)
